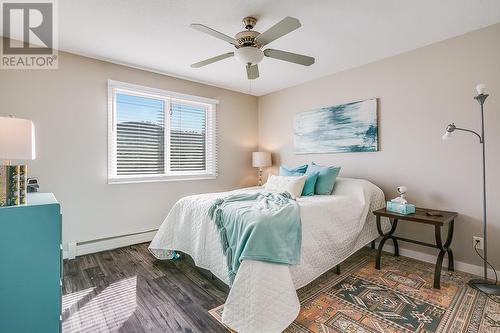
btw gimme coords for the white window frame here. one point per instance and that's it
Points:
(167, 97)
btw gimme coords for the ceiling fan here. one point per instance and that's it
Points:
(249, 44)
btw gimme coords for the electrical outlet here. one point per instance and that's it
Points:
(479, 240)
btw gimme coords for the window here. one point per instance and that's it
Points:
(156, 135)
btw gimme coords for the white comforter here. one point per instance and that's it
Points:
(263, 296)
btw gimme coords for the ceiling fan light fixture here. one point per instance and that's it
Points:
(249, 55)
(249, 44)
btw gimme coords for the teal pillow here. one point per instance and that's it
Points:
(284, 171)
(326, 178)
(310, 184)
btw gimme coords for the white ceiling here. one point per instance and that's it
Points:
(155, 34)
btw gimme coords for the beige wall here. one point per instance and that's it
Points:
(419, 93)
(69, 109)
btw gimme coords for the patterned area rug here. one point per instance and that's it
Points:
(397, 298)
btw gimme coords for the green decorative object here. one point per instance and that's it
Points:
(3, 185)
(23, 180)
(13, 185)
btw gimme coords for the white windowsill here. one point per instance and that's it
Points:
(155, 179)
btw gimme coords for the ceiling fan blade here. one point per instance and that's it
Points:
(289, 56)
(252, 72)
(283, 27)
(211, 60)
(214, 33)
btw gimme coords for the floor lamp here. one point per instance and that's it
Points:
(480, 284)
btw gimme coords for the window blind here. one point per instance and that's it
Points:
(154, 136)
(187, 137)
(140, 138)
(192, 138)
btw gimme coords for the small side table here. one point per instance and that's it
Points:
(420, 216)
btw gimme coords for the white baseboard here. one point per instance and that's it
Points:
(109, 243)
(459, 265)
(126, 240)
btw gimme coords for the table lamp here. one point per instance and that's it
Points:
(17, 139)
(261, 159)
(17, 142)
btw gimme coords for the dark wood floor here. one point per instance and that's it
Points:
(127, 290)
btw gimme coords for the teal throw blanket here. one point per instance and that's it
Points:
(257, 226)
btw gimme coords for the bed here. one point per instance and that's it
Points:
(263, 295)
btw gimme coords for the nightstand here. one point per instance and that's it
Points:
(438, 219)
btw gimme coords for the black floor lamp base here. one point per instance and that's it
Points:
(485, 286)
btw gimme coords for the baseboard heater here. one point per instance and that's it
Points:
(107, 243)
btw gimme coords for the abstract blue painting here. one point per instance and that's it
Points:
(350, 127)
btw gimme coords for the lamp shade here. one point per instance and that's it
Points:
(261, 159)
(17, 139)
(481, 88)
(249, 55)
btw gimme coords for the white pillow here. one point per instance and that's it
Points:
(290, 184)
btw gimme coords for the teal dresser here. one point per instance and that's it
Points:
(30, 266)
